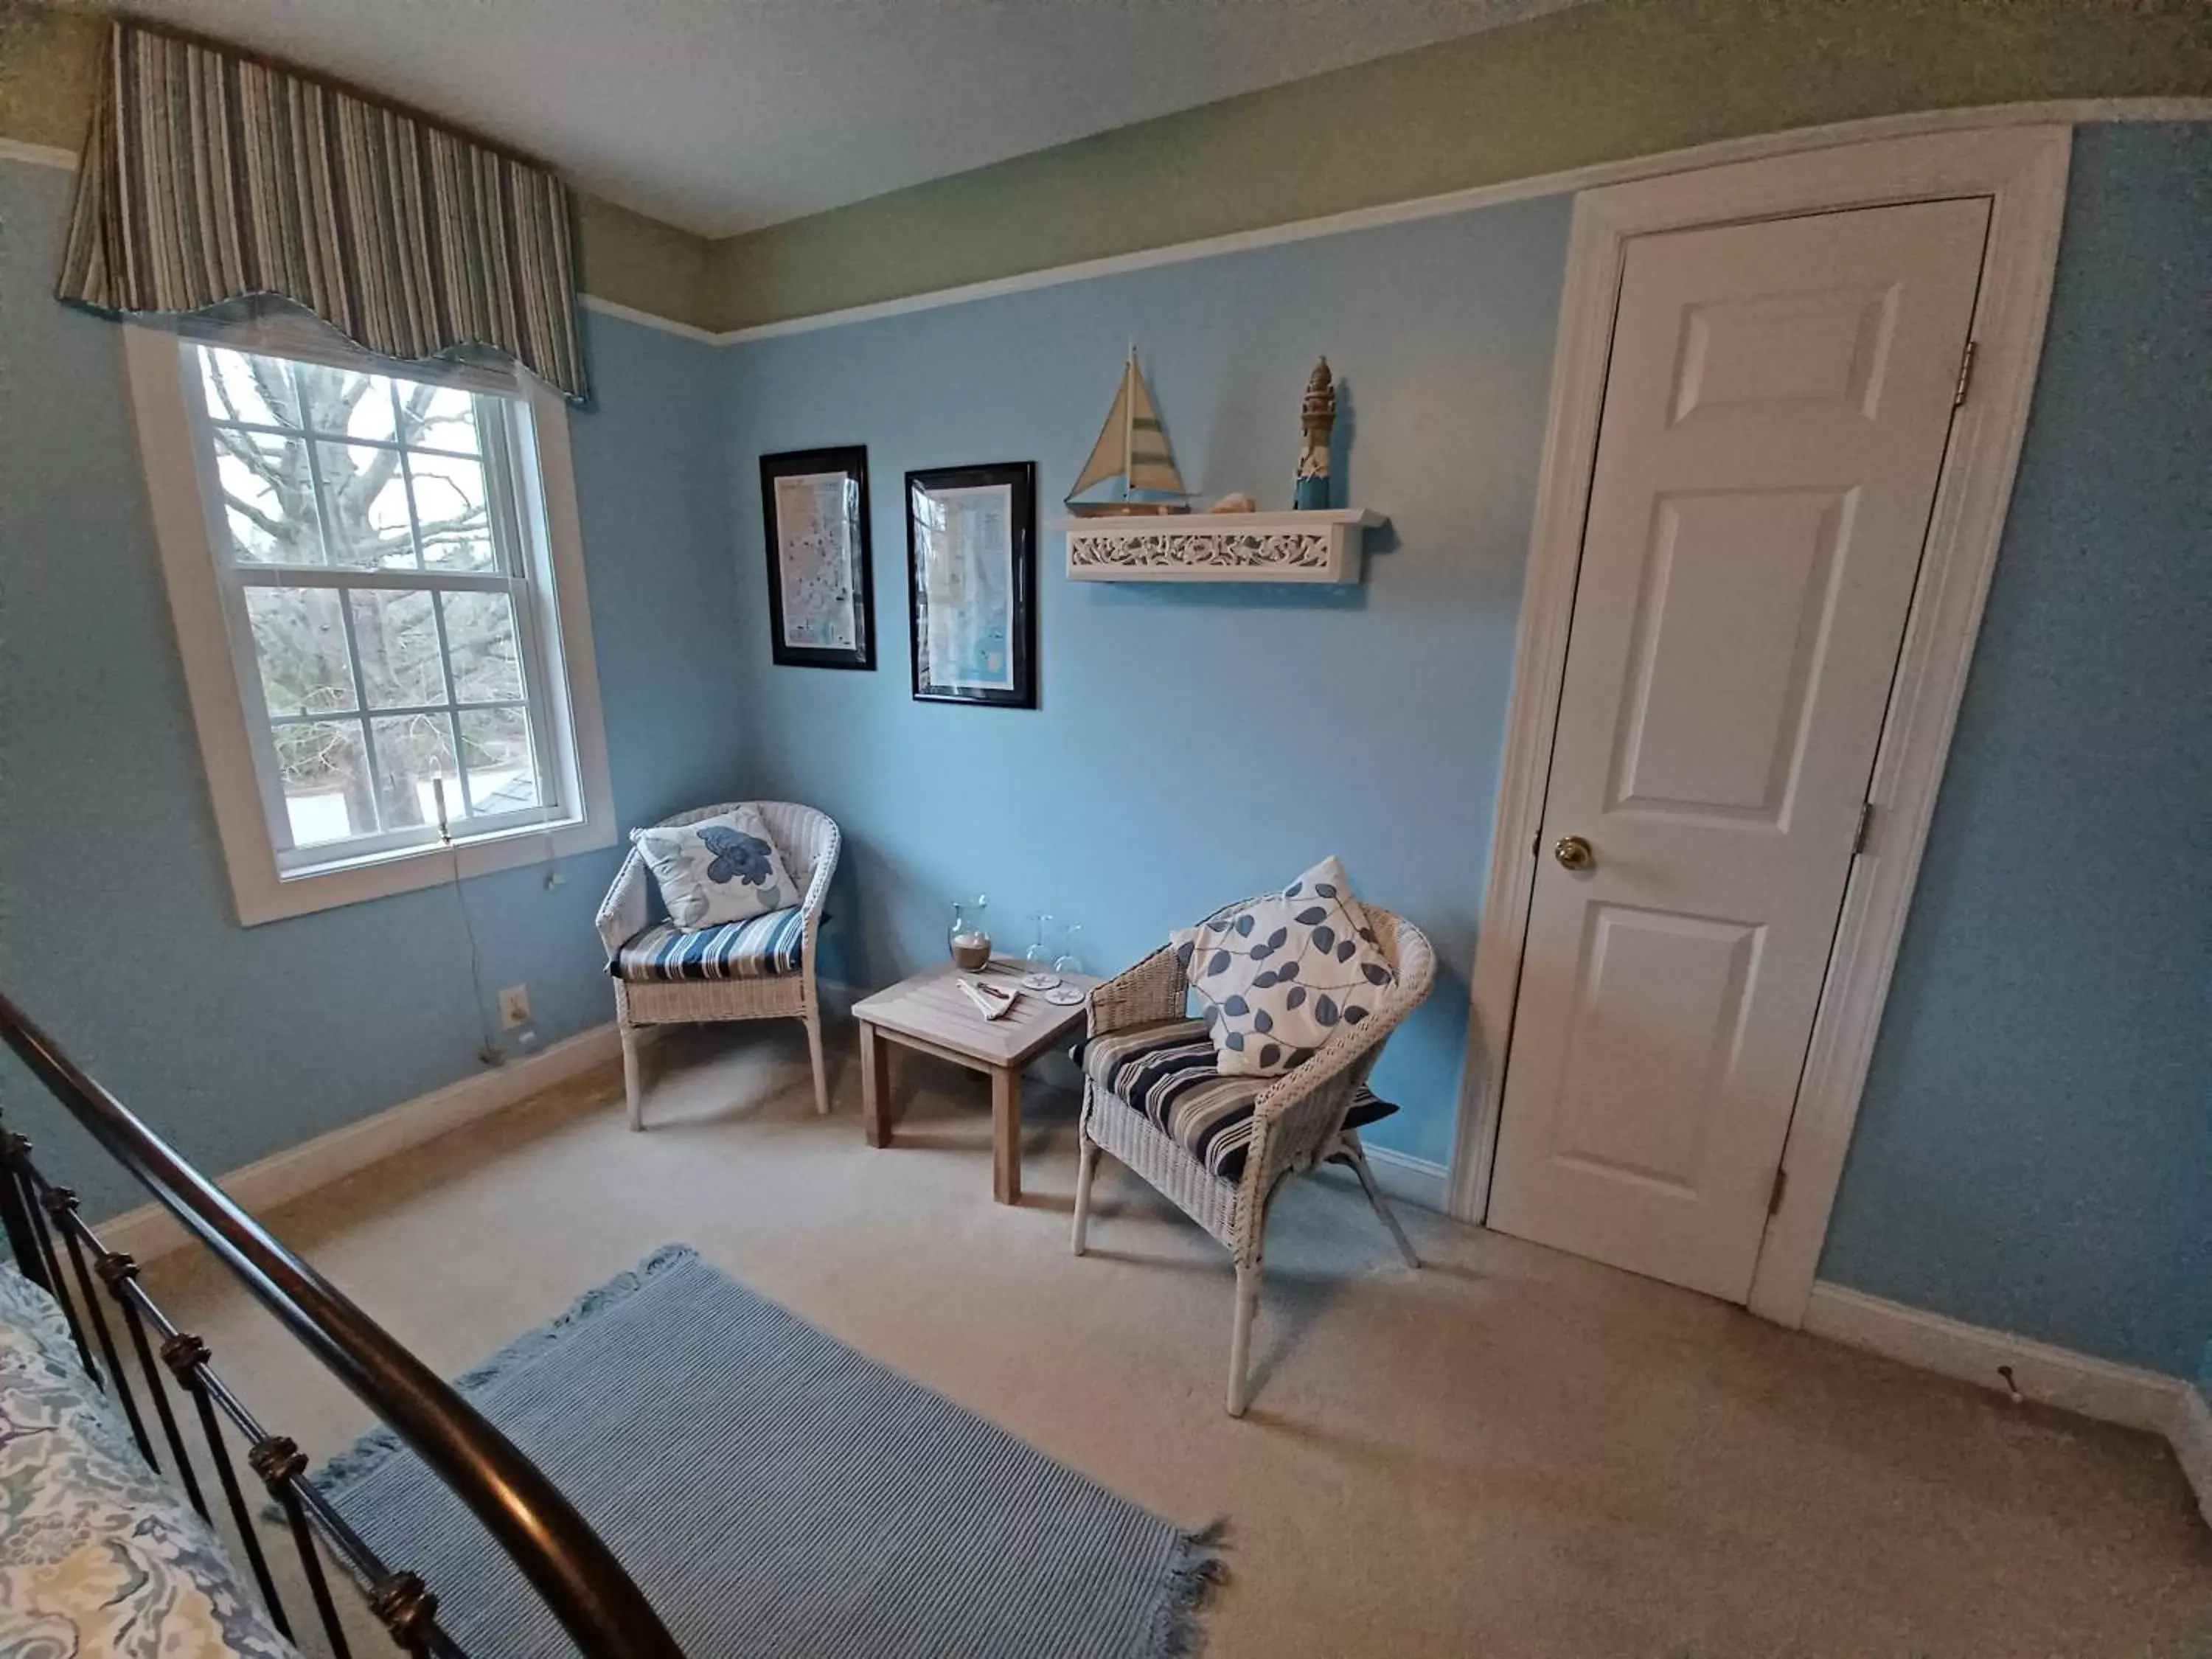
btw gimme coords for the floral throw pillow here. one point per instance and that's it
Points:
(720, 869)
(1279, 977)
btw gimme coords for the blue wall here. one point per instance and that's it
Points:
(1193, 744)
(116, 927)
(2035, 1148)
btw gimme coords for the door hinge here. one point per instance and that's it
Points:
(1781, 1186)
(1865, 829)
(1965, 376)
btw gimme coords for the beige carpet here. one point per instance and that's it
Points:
(1511, 1453)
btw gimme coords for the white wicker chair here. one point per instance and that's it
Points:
(1298, 1120)
(809, 842)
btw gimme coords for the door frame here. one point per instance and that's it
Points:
(2023, 169)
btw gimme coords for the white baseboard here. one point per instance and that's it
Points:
(2128, 1395)
(150, 1230)
(1403, 1179)
(1411, 1180)
(1973, 1354)
(2191, 1431)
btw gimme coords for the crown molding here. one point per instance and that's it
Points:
(650, 319)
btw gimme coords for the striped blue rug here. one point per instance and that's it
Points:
(776, 1493)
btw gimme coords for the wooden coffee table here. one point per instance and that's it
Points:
(929, 1012)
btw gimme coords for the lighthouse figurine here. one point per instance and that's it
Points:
(1318, 416)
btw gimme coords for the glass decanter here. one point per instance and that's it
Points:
(968, 938)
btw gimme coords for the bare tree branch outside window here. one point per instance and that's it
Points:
(377, 696)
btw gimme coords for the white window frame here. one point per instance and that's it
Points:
(270, 881)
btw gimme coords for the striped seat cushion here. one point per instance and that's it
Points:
(1167, 1070)
(752, 949)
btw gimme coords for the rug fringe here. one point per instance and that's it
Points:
(373, 1450)
(1193, 1571)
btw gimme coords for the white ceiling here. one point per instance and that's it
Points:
(724, 115)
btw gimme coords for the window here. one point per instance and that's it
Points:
(377, 544)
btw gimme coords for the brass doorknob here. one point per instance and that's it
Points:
(1574, 853)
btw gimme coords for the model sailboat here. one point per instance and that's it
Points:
(1133, 447)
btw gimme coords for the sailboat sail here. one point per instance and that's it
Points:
(1151, 464)
(1110, 455)
(1133, 447)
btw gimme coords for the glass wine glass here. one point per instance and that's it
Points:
(1069, 960)
(1038, 956)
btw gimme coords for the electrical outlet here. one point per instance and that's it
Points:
(513, 1007)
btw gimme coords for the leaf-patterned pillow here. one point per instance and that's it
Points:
(720, 869)
(1279, 977)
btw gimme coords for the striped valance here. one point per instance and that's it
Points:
(210, 179)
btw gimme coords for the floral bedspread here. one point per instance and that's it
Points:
(99, 1554)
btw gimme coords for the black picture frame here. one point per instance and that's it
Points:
(980, 681)
(851, 463)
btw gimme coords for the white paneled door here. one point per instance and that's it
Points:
(1775, 415)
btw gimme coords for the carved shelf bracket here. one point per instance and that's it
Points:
(1322, 546)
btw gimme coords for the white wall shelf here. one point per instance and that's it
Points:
(1318, 546)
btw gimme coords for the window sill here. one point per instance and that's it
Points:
(272, 897)
(463, 845)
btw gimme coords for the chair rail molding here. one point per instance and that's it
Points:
(2023, 170)
(38, 155)
(1564, 182)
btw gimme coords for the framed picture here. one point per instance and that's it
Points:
(971, 579)
(821, 591)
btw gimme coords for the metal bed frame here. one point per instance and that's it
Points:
(601, 1606)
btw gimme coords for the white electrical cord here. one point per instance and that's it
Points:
(490, 1053)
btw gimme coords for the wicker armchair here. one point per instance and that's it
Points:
(809, 842)
(1298, 1119)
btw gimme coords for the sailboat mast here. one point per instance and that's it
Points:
(1129, 415)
